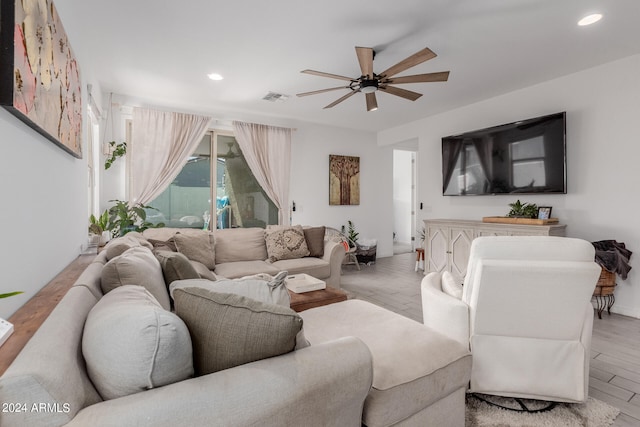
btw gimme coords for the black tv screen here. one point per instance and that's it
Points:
(526, 157)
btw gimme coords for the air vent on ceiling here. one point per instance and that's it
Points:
(275, 97)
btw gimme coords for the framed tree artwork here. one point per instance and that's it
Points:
(344, 180)
(39, 75)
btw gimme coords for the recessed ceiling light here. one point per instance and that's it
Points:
(215, 76)
(590, 19)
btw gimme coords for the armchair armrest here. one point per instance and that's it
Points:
(442, 312)
(320, 385)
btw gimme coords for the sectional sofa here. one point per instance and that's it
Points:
(239, 252)
(141, 339)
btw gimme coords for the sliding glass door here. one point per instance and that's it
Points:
(220, 194)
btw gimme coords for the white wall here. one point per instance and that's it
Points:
(603, 152)
(402, 178)
(44, 210)
(373, 218)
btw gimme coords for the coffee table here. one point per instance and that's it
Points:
(312, 299)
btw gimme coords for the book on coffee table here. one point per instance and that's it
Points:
(302, 282)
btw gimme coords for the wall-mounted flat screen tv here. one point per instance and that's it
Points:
(526, 157)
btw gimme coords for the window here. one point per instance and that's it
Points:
(233, 195)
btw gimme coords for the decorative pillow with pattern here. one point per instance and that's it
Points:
(286, 243)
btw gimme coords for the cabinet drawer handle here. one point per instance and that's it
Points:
(449, 252)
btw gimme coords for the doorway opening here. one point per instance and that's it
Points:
(404, 200)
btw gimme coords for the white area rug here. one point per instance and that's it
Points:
(592, 413)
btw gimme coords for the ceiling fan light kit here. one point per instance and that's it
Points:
(369, 82)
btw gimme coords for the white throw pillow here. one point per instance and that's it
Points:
(261, 287)
(451, 285)
(131, 344)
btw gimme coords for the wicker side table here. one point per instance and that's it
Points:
(603, 292)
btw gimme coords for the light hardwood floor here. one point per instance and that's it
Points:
(615, 365)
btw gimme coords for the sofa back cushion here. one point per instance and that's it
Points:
(240, 244)
(131, 344)
(228, 330)
(119, 245)
(50, 369)
(165, 233)
(137, 266)
(197, 247)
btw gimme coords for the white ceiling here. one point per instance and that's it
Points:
(161, 51)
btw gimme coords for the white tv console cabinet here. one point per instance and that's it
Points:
(448, 241)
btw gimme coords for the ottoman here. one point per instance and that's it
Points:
(419, 376)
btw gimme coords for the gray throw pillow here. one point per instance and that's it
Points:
(131, 344)
(164, 245)
(197, 247)
(175, 266)
(286, 243)
(314, 237)
(228, 330)
(136, 266)
(203, 271)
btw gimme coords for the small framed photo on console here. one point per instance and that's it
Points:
(544, 212)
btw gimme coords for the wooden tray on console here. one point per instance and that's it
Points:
(522, 221)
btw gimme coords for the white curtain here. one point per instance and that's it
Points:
(160, 146)
(267, 150)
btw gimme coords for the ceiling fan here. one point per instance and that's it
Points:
(369, 82)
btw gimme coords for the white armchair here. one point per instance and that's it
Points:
(525, 312)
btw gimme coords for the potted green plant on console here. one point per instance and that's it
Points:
(523, 210)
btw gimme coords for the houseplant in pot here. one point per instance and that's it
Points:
(99, 227)
(124, 218)
(523, 210)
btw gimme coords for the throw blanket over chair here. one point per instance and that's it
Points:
(525, 312)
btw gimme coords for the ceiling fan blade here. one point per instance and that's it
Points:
(321, 74)
(365, 59)
(419, 78)
(339, 100)
(402, 93)
(372, 102)
(413, 60)
(314, 92)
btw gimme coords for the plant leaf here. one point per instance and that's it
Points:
(10, 294)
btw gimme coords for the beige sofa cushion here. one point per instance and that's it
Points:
(137, 266)
(413, 366)
(197, 247)
(165, 233)
(286, 243)
(316, 267)
(131, 344)
(240, 244)
(228, 330)
(234, 270)
(119, 245)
